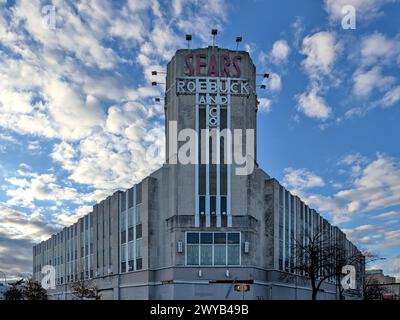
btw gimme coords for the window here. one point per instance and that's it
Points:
(213, 248)
(138, 214)
(192, 249)
(213, 204)
(223, 205)
(202, 204)
(138, 231)
(123, 220)
(206, 254)
(220, 254)
(192, 237)
(130, 265)
(123, 252)
(139, 193)
(233, 254)
(139, 248)
(131, 250)
(139, 264)
(123, 200)
(130, 198)
(130, 217)
(130, 234)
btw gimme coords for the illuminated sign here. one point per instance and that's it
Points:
(216, 66)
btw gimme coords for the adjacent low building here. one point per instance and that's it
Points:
(194, 230)
(377, 276)
(388, 286)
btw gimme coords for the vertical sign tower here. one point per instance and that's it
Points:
(211, 92)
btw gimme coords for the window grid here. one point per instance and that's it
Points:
(214, 245)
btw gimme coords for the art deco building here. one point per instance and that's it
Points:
(192, 230)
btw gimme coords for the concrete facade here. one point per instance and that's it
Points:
(166, 239)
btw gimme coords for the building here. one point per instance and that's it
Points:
(192, 230)
(377, 276)
(391, 291)
(388, 285)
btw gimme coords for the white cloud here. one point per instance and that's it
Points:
(82, 39)
(17, 225)
(375, 187)
(18, 233)
(366, 81)
(313, 106)
(213, 15)
(280, 51)
(273, 83)
(56, 87)
(116, 157)
(364, 234)
(264, 104)
(65, 219)
(100, 147)
(321, 50)
(378, 48)
(388, 215)
(365, 9)
(25, 191)
(391, 97)
(301, 179)
(352, 158)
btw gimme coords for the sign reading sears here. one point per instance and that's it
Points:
(209, 85)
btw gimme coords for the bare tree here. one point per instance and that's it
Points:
(33, 290)
(321, 258)
(343, 257)
(85, 290)
(14, 291)
(313, 258)
(373, 290)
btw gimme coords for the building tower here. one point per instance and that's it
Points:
(211, 91)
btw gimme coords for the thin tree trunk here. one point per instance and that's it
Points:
(314, 294)
(314, 289)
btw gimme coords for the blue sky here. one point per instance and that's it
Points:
(77, 109)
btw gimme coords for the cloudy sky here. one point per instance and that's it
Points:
(77, 109)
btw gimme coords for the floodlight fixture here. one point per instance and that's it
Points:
(238, 40)
(188, 39)
(214, 32)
